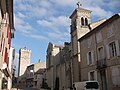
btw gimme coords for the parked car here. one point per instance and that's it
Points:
(86, 85)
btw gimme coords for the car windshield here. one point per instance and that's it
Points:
(92, 85)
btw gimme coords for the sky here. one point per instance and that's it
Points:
(38, 22)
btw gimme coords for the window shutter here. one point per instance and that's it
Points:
(95, 74)
(108, 52)
(117, 47)
(88, 58)
(3, 45)
(88, 75)
(115, 74)
(1, 42)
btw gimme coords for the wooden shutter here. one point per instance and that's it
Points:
(88, 58)
(1, 42)
(108, 51)
(89, 75)
(117, 47)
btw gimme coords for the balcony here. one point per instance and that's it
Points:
(101, 64)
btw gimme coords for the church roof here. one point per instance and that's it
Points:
(96, 24)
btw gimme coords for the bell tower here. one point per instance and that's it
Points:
(80, 19)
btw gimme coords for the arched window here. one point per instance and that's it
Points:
(86, 22)
(82, 21)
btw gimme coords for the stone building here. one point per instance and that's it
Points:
(29, 74)
(93, 53)
(35, 74)
(6, 34)
(58, 63)
(100, 54)
(80, 19)
(24, 61)
(11, 61)
(80, 26)
(52, 51)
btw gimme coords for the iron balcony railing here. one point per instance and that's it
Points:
(101, 63)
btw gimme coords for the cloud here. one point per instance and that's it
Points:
(34, 8)
(114, 4)
(55, 22)
(101, 8)
(57, 28)
(38, 12)
(26, 29)
(51, 16)
(22, 26)
(39, 37)
(100, 12)
(21, 15)
(64, 2)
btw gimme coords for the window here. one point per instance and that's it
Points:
(115, 71)
(92, 75)
(82, 21)
(110, 31)
(6, 56)
(90, 58)
(0, 15)
(112, 48)
(89, 41)
(86, 21)
(35, 83)
(1, 42)
(100, 53)
(92, 85)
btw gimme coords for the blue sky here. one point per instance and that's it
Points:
(38, 22)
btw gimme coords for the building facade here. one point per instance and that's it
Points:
(11, 61)
(61, 75)
(24, 61)
(6, 34)
(80, 19)
(101, 54)
(94, 53)
(35, 75)
(52, 51)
